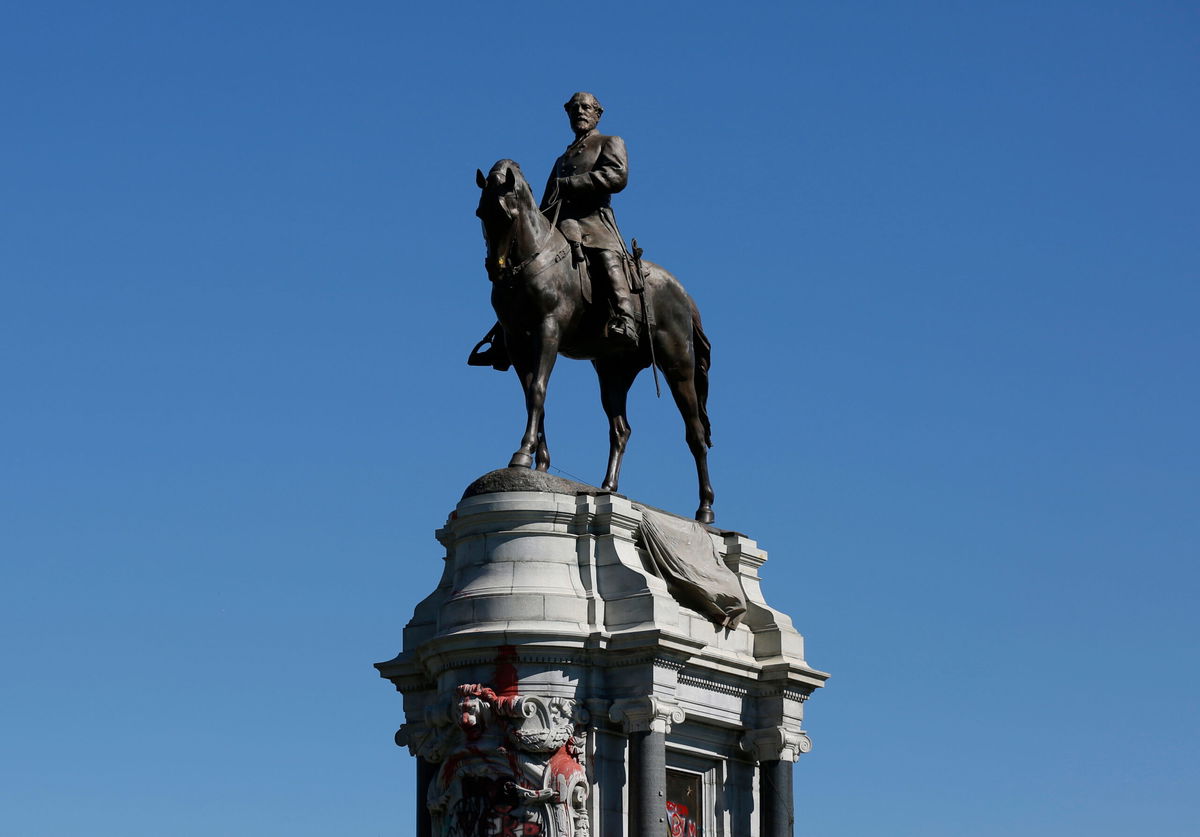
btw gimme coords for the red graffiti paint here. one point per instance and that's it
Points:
(563, 764)
(680, 824)
(450, 767)
(506, 671)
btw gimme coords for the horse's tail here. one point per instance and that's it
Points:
(702, 349)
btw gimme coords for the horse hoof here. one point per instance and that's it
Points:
(705, 514)
(520, 460)
(609, 486)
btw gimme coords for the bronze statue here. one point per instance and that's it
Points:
(593, 168)
(541, 293)
(578, 191)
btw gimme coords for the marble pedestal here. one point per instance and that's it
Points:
(553, 685)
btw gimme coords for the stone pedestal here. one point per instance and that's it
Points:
(553, 685)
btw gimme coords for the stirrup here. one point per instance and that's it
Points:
(622, 331)
(492, 356)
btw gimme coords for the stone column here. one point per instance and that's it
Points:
(776, 749)
(648, 783)
(647, 720)
(416, 737)
(775, 791)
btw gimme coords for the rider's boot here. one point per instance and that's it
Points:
(622, 328)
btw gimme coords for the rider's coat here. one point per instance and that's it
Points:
(592, 169)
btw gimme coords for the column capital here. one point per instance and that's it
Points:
(415, 737)
(776, 743)
(646, 714)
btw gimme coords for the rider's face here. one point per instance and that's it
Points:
(583, 113)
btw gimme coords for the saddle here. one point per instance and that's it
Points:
(491, 351)
(571, 232)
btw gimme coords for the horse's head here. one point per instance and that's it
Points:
(504, 197)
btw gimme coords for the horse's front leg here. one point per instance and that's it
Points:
(543, 450)
(534, 379)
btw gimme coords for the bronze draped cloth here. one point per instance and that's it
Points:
(682, 554)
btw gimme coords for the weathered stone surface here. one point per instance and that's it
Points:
(527, 479)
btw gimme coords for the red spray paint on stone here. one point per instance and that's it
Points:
(506, 671)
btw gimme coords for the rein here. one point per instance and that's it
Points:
(506, 273)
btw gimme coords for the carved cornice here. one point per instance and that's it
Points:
(641, 645)
(787, 693)
(691, 679)
(582, 659)
(412, 684)
(776, 743)
(793, 675)
(646, 714)
(404, 671)
(625, 660)
(440, 661)
(437, 658)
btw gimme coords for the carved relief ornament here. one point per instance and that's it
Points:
(508, 764)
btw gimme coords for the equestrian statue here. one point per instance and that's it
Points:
(563, 282)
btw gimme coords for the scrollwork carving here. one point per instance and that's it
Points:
(510, 764)
(776, 743)
(646, 714)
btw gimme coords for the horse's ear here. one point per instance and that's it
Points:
(480, 180)
(510, 178)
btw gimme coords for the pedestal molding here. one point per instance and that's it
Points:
(552, 684)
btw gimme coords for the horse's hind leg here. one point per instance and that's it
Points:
(615, 380)
(681, 378)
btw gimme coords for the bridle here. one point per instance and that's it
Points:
(506, 272)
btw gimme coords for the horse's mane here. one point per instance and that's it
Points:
(502, 166)
(506, 163)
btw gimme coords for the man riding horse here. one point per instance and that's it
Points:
(592, 169)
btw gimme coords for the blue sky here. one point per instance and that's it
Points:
(947, 255)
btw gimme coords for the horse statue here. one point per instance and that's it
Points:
(540, 302)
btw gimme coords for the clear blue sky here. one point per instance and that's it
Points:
(947, 255)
